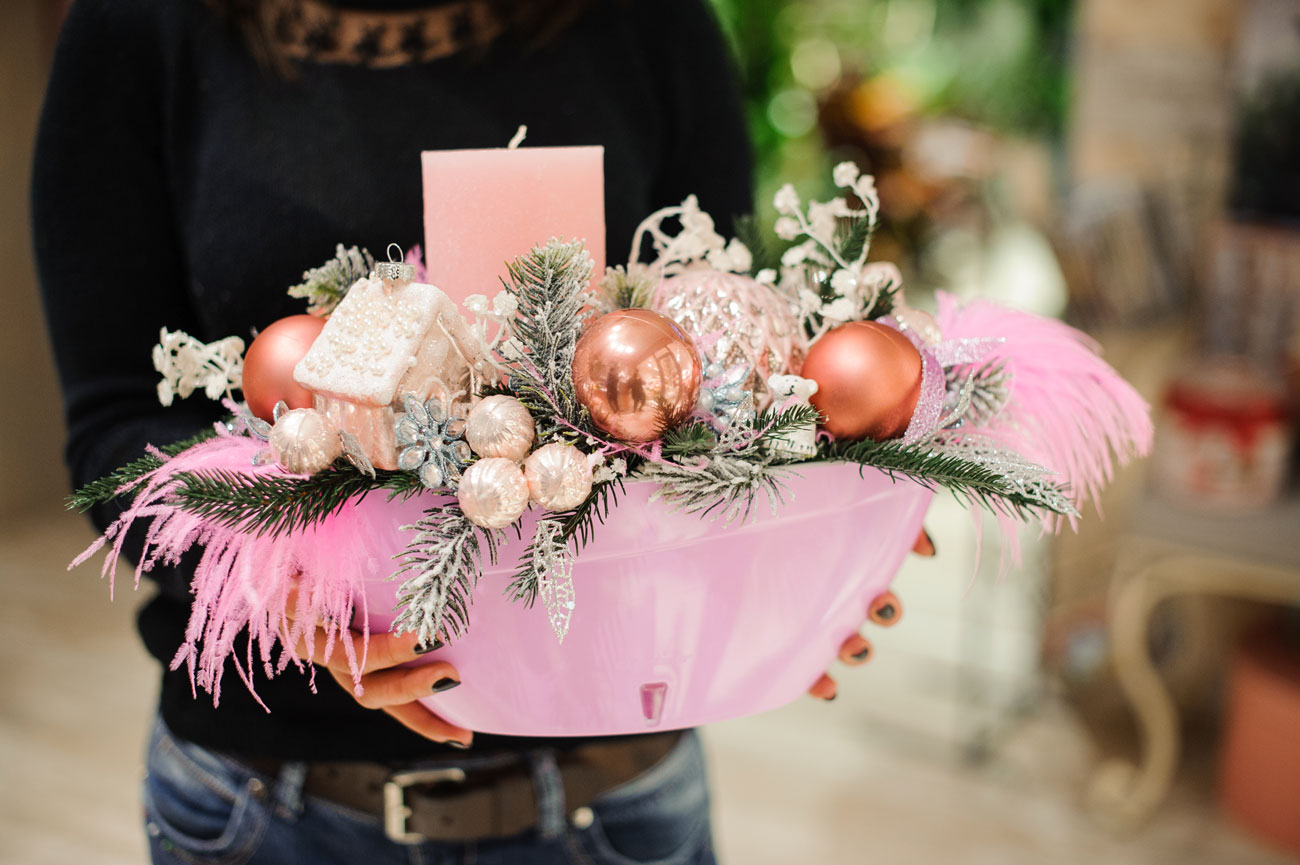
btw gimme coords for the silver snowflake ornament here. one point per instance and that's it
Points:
(432, 441)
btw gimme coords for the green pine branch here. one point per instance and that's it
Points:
(689, 440)
(969, 482)
(776, 423)
(853, 236)
(577, 526)
(276, 504)
(125, 479)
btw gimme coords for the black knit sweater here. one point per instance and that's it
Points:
(178, 184)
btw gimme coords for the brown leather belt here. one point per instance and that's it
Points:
(446, 803)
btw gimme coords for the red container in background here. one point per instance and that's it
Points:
(1259, 780)
(1223, 438)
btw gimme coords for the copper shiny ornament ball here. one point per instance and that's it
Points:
(269, 363)
(637, 372)
(868, 380)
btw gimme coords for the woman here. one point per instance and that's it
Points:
(192, 160)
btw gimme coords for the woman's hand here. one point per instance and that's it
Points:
(386, 685)
(884, 611)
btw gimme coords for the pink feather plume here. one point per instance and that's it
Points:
(242, 579)
(1068, 411)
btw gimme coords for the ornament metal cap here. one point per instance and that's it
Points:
(394, 271)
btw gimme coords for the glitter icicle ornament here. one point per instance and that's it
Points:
(559, 476)
(500, 426)
(493, 493)
(304, 441)
(748, 323)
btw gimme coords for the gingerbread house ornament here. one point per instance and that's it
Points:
(387, 338)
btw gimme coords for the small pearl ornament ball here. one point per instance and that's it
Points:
(868, 380)
(493, 493)
(269, 363)
(637, 372)
(499, 426)
(559, 476)
(304, 441)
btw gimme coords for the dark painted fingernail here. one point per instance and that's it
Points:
(459, 746)
(423, 649)
(832, 697)
(444, 684)
(862, 654)
(886, 612)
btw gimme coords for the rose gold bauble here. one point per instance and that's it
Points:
(269, 363)
(751, 323)
(637, 372)
(868, 380)
(493, 493)
(499, 426)
(559, 476)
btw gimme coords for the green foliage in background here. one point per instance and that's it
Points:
(999, 64)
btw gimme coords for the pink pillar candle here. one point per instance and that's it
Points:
(483, 208)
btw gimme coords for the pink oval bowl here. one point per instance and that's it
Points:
(679, 621)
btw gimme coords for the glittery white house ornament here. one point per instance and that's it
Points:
(387, 338)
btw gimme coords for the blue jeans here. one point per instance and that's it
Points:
(203, 807)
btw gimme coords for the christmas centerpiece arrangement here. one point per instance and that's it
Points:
(658, 496)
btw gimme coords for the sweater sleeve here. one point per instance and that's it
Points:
(708, 148)
(108, 253)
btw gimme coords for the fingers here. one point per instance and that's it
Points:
(430, 726)
(379, 651)
(395, 692)
(924, 545)
(855, 651)
(824, 688)
(385, 688)
(885, 610)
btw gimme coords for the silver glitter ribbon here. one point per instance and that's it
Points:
(929, 415)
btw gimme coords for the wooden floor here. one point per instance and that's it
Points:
(810, 783)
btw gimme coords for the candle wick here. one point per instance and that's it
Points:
(518, 139)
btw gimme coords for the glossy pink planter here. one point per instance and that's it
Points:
(680, 621)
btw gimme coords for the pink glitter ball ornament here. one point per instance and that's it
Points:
(735, 320)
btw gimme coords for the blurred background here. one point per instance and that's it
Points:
(1131, 692)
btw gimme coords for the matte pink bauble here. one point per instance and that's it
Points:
(748, 322)
(637, 372)
(269, 363)
(868, 380)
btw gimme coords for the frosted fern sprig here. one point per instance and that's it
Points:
(727, 486)
(549, 284)
(629, 287)
(990, 389)
(439, 569)
(323, 287)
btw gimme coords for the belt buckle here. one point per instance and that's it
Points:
(396, 811)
